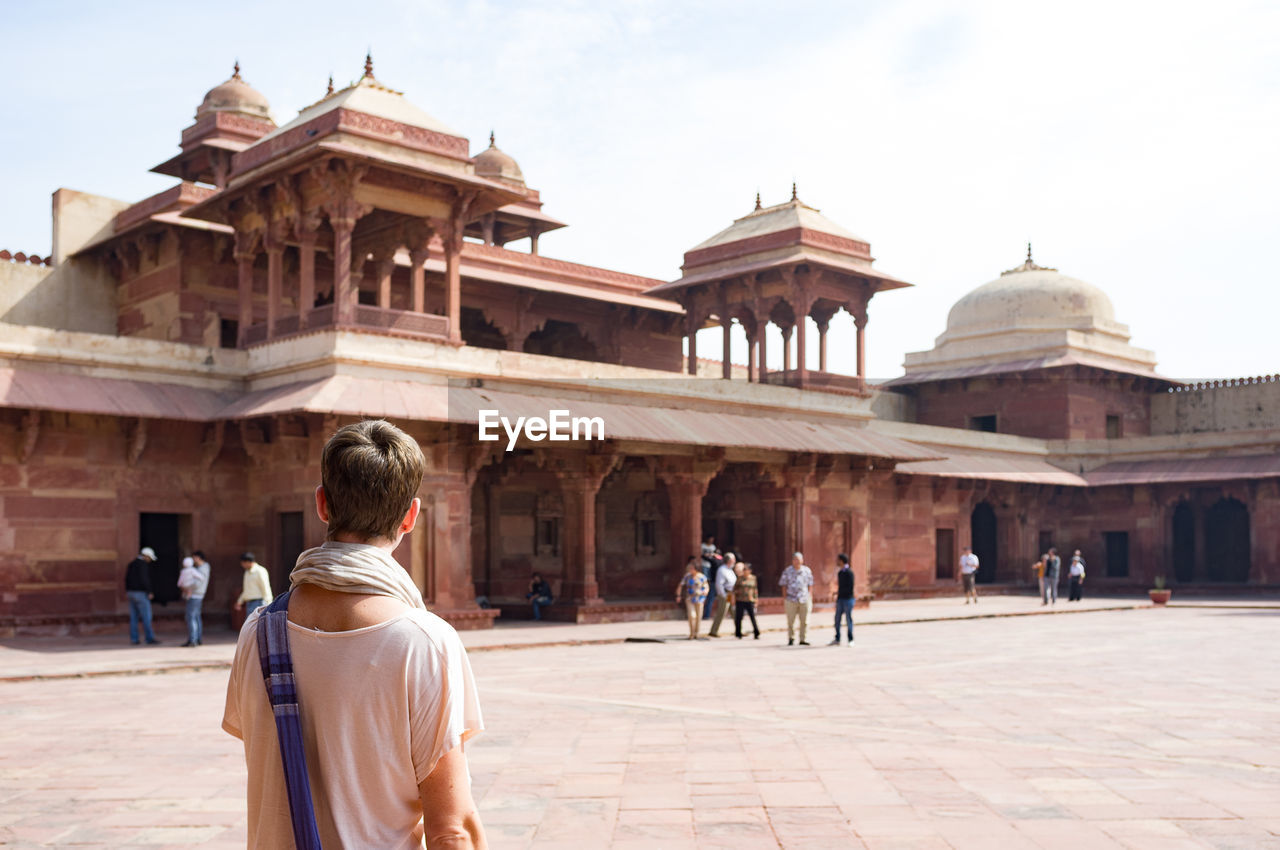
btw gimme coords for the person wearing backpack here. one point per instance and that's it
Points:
(346, 684)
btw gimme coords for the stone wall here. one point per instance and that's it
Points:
(1236, 405)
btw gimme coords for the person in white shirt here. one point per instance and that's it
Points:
(797, 593)
(969, 575)
(726, 578)
(385, 693)
(256, 590)
(1075, 576)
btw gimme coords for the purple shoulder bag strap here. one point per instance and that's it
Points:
(277, 673)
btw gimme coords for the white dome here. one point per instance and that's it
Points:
(1033, 297)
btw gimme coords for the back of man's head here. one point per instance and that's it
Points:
(371, 472)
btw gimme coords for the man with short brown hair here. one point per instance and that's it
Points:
(384, 691)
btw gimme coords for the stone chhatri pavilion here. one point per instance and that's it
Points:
(170, 373)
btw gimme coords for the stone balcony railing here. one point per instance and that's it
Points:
(815, 380)
(370, 319)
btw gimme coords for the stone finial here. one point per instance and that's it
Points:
(758, 201)
(1028, 266)
(368, 64)
(793, 191)
(235, 70)
(328, 91)
(492, 144)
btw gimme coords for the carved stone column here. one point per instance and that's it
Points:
(691, 331)
(451, 235)
(786, 347)
(726, 325)
(752, 368)
(386, 266)
(274, 245)
(580, 479)
(687, 480)
(245, 254)
(860, 322)
(306, 275)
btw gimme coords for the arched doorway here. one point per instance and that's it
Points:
(982, 531)
(1184, 543)
(1226, 541)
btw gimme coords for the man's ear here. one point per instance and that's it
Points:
(411, 516)
(322, 505)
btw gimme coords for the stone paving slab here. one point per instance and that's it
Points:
(1116, 729)
(52, 657)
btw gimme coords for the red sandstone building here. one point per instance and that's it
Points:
(169, 375)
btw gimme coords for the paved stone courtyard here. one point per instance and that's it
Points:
(1104, 729)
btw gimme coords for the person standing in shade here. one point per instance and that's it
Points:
(256, 590)
(745, 594)
(1075, 575)
(969, 575)
(1038, 567)
(726, 578)
(137, 587)
(844, 597)
(1052, 567)
(797, 591)
(539, 594)
(193, 581)
(692, 590)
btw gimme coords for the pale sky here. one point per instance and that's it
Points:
(1137, 145)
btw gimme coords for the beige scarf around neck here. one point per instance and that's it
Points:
(356, 568)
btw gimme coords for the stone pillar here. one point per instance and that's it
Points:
(386, 266)
(533, 241)
(306, 275)
(487, 226)
(726, 325)
(452, 235)
(275, 280)
(762, 362)
(686, 480)
(751, 359)
(860, 322)
(580, 479)
(691, 328)
(786, 347)
(245, 255)
(344, 294)
(417, 279)
(802, 325)
(822, 345)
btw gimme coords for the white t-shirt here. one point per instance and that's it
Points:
(726, 578)
(380, 706)
(968, 564)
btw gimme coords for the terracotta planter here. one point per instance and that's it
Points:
(1159, 597)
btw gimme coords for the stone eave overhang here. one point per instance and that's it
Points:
(339, 120)
(728, 270)
(753, 245)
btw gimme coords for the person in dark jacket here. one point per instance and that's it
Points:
(539, 595)
(137, 586)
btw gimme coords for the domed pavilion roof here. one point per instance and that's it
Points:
(1031, 296)
(1030, 317)
(235, 95)
(495, 164)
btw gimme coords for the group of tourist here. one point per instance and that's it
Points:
(735, 584)
(193, 583)
(1048, 571)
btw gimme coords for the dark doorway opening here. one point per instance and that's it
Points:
(290, 544)
(1226, 541)
(1044, 543)
(1117, 546)
(170, 536)
(982, 531)
(945, 553)
(1184, 543)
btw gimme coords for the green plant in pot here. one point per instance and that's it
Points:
(1159, 594)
